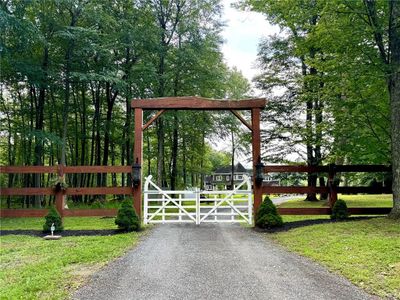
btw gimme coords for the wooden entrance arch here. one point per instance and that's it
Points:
(197, 103)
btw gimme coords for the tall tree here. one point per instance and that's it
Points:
(356, 48)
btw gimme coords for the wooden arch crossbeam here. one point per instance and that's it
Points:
(197, 103)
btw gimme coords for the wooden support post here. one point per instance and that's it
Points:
(256, 144)
(332, 185)
(60, 194)
(137, 159)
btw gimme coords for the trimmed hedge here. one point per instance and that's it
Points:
(267, 216)
(127, 219)
(339, 210)
(53, 217)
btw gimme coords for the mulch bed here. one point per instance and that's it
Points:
(303, 223)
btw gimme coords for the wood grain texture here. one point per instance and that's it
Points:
(39, 213)
(197, 103)
(363, 190)
(96, 212)
(155, 117)
(294, 189)
(137, 158)
(99, 191)
(317, 169)
(304, 211)
(97, 169)
(256, 152)
(26, 191)
(294, 169)
(241, 119)
(23, 213)
(111, 212)
(27, 169)
(65, 169)
(327, 211)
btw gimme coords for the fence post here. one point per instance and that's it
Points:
(60, 193)
(197, 193)
(332, 185)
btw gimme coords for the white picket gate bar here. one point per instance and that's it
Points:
(232, 206)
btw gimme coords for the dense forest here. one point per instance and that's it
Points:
(333, 77)
(70, 68)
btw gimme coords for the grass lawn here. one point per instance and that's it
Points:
(351, 201)
(367, 251)
(33, 268)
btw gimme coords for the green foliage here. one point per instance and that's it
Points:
(53, 217)
(267, 216)
(96, 58)
(371, 249)
(127, 219)
(339, 210)
(34, 269)
(328, 55)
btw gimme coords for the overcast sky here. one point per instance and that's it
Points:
(242, 34)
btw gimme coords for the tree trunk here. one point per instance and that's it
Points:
(312, 177)
(184, 168)
(107, 135)
(160, 151)
(39, 123)
(67, 69)
(174, 154)
(203, 147)
(394, 92)
(318, 135)
(312, 87)
(97, 154)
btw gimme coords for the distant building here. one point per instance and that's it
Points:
(220, 179)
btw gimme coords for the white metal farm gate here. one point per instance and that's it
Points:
(231, 206)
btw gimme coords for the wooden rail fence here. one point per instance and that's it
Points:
(332, 189)
(59, 195)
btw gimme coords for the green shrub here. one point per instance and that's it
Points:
(53, 217)
(127, 218)
(339, 210)
(267, 216)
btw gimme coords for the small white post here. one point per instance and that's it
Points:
(163, 211)
(232, 211)
(197, 193)
(146, 200)
(216, 210)
(180, 203)
(249, 208)
(145, 209)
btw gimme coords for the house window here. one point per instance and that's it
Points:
(238, 177)
(218, 178)
(228, 178)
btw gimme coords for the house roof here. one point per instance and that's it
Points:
(239, 168)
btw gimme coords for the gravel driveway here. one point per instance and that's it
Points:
(210, 261)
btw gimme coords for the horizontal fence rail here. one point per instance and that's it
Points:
(65, 169)
(69, 191)
(325, 169)
(332, 189)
